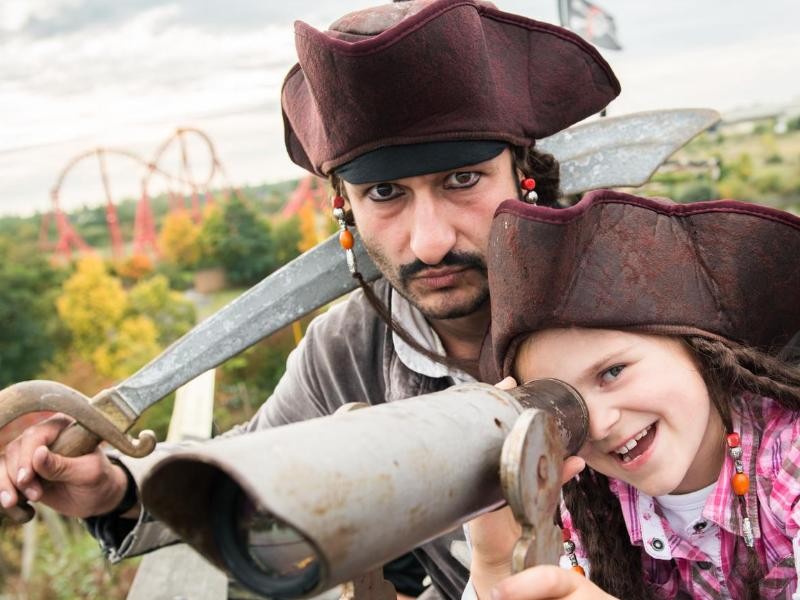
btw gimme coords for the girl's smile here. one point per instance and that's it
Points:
(636, 450)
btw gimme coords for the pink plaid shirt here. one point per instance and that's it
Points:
(770, 439)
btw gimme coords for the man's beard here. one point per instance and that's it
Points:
(400, 279)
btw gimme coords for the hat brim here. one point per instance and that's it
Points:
(409, 160)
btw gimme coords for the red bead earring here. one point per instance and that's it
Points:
(528, 194)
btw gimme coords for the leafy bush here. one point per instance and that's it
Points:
(179, 278)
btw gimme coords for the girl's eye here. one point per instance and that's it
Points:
(610, 375)
(382, 192)
(462, 179)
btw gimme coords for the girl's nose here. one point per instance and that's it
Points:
(602, 419)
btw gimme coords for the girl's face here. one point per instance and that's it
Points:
(651, 421)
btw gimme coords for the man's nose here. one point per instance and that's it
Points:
(432, 233)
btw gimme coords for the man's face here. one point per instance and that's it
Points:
(428, 234)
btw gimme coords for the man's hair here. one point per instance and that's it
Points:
(728, 370)
(526, 162)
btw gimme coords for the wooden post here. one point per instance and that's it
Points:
(29, 541)
(178, 571)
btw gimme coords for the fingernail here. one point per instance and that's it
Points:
(496, 595)
(21, 474)
(5, 499)
(32, 494)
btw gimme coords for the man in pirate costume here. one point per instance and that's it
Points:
(424, 115)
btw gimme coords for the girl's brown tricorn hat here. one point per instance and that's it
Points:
(724, 270)
(435, 71)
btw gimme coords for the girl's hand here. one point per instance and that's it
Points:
(547, 582)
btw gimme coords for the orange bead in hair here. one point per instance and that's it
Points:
(740, 484)
(346, 239)
(579, 570)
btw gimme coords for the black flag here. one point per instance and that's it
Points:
(590, 22)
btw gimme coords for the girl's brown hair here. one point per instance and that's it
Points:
(528, 162)
(728, 370)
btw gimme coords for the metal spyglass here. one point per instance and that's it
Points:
(265, 554)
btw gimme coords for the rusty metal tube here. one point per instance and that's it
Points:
(361, 487)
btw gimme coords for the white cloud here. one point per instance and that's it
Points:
(127, 73)
(14, 14)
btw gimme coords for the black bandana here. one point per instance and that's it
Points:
(396, 162)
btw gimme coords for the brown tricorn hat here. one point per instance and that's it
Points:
(720, 269)
(452, 70)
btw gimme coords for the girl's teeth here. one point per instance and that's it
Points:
(631, 444)
(626, 458)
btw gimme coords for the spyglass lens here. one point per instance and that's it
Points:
(275, 548)
(265, 554)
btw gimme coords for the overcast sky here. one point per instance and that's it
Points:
(78, 74)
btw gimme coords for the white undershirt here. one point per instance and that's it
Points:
(684, 512)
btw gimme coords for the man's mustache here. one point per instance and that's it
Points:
(451, 259)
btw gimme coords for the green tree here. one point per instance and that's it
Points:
(240, 240)
(29, 338)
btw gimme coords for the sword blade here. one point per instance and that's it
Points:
(307, 283)
(613, 151)
(623, 151)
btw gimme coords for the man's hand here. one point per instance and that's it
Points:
(547, 582)
(84, 486)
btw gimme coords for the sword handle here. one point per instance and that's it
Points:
(91, 426)
(75, 440)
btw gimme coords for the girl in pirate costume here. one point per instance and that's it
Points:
(667, 318)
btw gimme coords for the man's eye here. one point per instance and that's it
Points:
(462, 179)
(610, 375)
(382, 192)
